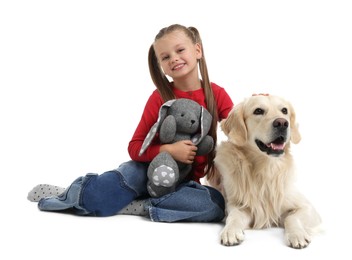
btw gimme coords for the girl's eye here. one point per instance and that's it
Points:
(181, 50)
(164, 58)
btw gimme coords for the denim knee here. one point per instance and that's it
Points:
(134, 175)
(106, 194)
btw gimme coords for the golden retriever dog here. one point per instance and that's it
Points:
(255, 172)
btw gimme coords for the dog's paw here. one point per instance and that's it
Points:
(232, 236)
(298, 239)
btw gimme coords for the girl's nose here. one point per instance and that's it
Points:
(174, 58)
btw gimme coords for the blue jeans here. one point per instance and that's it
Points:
(106, 194)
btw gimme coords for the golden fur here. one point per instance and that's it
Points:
(255, 170)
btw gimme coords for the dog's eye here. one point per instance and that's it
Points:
(258, 111)
(182, 114)
(284, 111)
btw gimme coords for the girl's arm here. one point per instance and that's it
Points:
(148, 118)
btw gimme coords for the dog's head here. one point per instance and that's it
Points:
(264, 122)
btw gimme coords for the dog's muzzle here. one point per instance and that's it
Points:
(275, 147)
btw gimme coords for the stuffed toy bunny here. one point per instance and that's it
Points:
(179, 119)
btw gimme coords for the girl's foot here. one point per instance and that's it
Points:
(136, 207)
(44, 190)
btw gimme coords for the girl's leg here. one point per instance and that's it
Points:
(191, 202)
(101, 195)
(104, 198)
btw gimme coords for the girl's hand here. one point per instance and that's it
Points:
(183, 151)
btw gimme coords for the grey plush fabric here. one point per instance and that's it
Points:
(179, 119)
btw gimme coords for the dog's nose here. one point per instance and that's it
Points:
(280, 123)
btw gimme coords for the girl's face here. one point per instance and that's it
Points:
(177, 54)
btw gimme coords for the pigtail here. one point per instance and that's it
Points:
(160, 80)
(210, 100)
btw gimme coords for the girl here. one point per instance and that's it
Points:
(177, 54)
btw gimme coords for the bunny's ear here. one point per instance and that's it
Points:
(205, 123)
(155, 128)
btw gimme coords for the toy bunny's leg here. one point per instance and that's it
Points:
(163, 174)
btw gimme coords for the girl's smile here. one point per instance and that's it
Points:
(179, 66)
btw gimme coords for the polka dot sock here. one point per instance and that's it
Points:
(44, 190)
(136, 207)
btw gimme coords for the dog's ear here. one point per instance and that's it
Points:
(234, 126)
(295, 134)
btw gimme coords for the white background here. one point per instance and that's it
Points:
(74, 80)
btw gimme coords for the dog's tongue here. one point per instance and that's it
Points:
(276, 146)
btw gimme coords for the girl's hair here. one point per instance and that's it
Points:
(164, 87)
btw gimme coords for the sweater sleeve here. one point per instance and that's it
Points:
(223, 101)
(148, 118)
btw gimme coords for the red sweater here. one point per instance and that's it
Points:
(150, 116)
